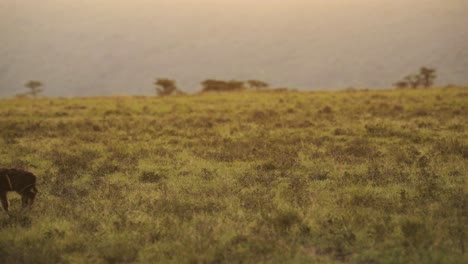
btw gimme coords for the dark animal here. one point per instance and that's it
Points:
(20, 181)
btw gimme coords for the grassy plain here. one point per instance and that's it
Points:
(356, 176)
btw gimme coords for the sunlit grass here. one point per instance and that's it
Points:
(363, 176)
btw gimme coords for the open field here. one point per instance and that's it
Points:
(359, 177)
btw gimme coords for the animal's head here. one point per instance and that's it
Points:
(31, 194)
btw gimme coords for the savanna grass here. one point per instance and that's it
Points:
(357, 176)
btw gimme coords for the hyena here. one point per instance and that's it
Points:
(20, 181)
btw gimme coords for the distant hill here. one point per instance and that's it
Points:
(89, 48)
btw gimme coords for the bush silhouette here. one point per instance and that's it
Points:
(222, 86)
(428, 76)
(425, 78)
(258, 85)
(165, 87)
(34, 87)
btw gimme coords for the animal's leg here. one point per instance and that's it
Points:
(24, 200)
(4, 198)
(32, 196)
(28, 197)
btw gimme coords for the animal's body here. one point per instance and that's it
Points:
(20, 181)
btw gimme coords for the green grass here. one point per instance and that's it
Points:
(357, 177)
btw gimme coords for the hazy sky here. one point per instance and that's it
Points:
(109, 47)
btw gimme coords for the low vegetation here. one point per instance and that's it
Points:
(34, 90)
(424, 79)
(355, 176)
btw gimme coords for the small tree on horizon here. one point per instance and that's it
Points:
(428, 76)
(165, 87)
(425, 78)
(234, 85)
(34, 87)
(413, 81)
(401, 85)
(211, 85)
(258, 85)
